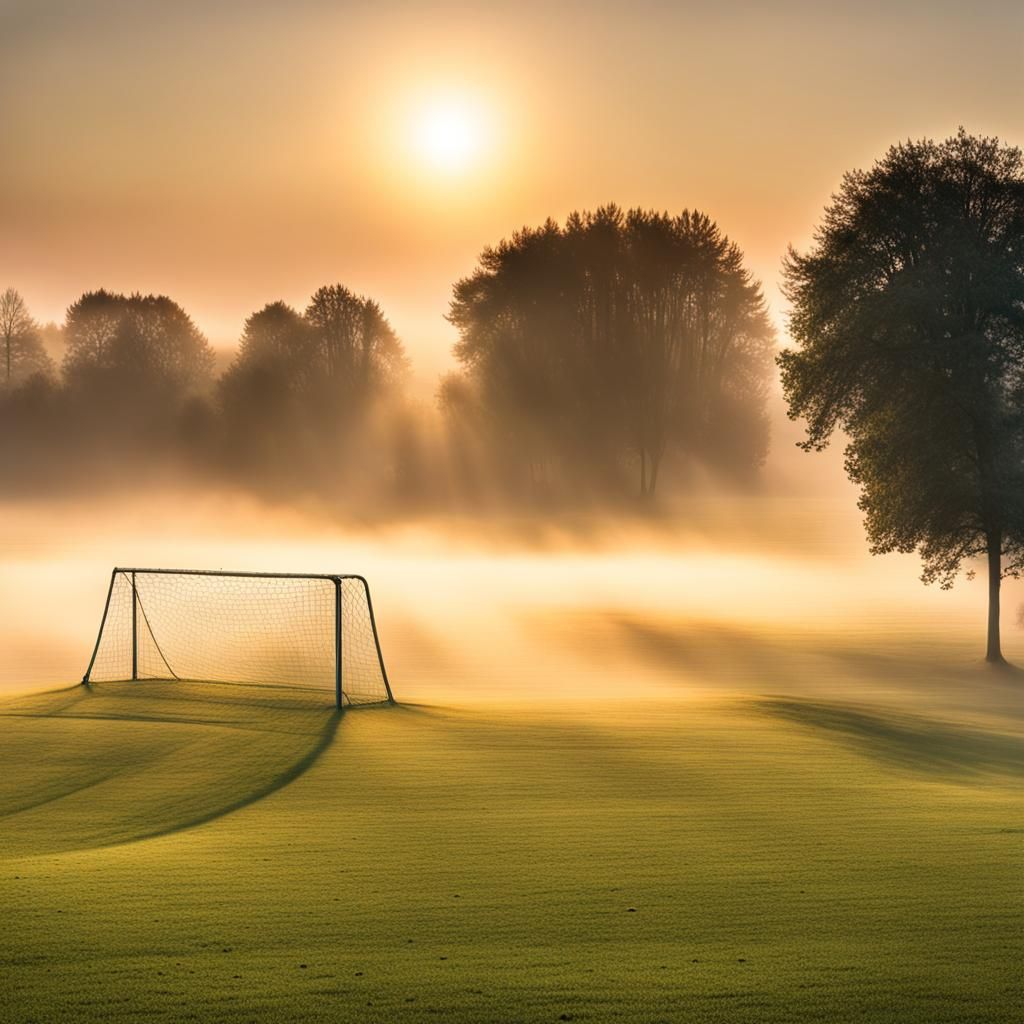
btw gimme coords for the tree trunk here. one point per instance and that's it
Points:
(994, 653)
(643, 471)
(655, 466)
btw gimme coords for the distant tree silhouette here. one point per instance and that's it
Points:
(303, 388)
(358, 352)
(700, 339)
(262, 392)
(277, 344)
(24, 355)
(619, 333)
(278, 333)
(132, 370)
(908, 315)
(138, 342)
(90, 326)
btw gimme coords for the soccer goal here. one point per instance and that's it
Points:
(286, 629)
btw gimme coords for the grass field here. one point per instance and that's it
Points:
(182, 852)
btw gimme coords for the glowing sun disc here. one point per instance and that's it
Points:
(448, 134)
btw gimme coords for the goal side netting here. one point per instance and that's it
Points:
(260, 628)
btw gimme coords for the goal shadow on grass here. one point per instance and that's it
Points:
(120, 762)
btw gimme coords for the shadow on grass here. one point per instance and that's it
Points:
(910, 742)
(923, 671)
(100, 767)
(260, 792)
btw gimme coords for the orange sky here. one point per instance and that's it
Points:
(233, 153)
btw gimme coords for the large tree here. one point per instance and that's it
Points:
(908, 318)
(618, 336)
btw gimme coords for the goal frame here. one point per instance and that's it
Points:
(335, 578)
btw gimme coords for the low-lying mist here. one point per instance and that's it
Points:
(756, 594)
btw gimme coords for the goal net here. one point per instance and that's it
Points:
(268, 628)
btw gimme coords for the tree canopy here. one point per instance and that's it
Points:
(300, 397)
(908, 318)
(137, 342)
(356, 350)
(23, 355)
(618, 337)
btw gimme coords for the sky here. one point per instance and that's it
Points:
(230, 154)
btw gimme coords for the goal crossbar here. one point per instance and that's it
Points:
(349, 590)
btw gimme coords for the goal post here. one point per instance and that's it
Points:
(285, 629)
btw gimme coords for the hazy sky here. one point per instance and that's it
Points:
(233, 153)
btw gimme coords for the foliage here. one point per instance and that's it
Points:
(356, 350)
(136, 342)
(305, 388)
(617, 335)
(23, 354)
(908, 315)
(263, 387)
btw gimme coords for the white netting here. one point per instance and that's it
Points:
(240, 629)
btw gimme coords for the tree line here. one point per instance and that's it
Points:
(137, 391)
(591, 355)
(597, 357)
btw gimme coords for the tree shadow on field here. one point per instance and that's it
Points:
(920, 671)
(711, 652)
(911, 742)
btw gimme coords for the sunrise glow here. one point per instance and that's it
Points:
(449, 134)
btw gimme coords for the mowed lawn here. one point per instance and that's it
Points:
(177, 852)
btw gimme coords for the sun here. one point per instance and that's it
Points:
(449, 133)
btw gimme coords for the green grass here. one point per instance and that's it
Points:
(176, 852)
